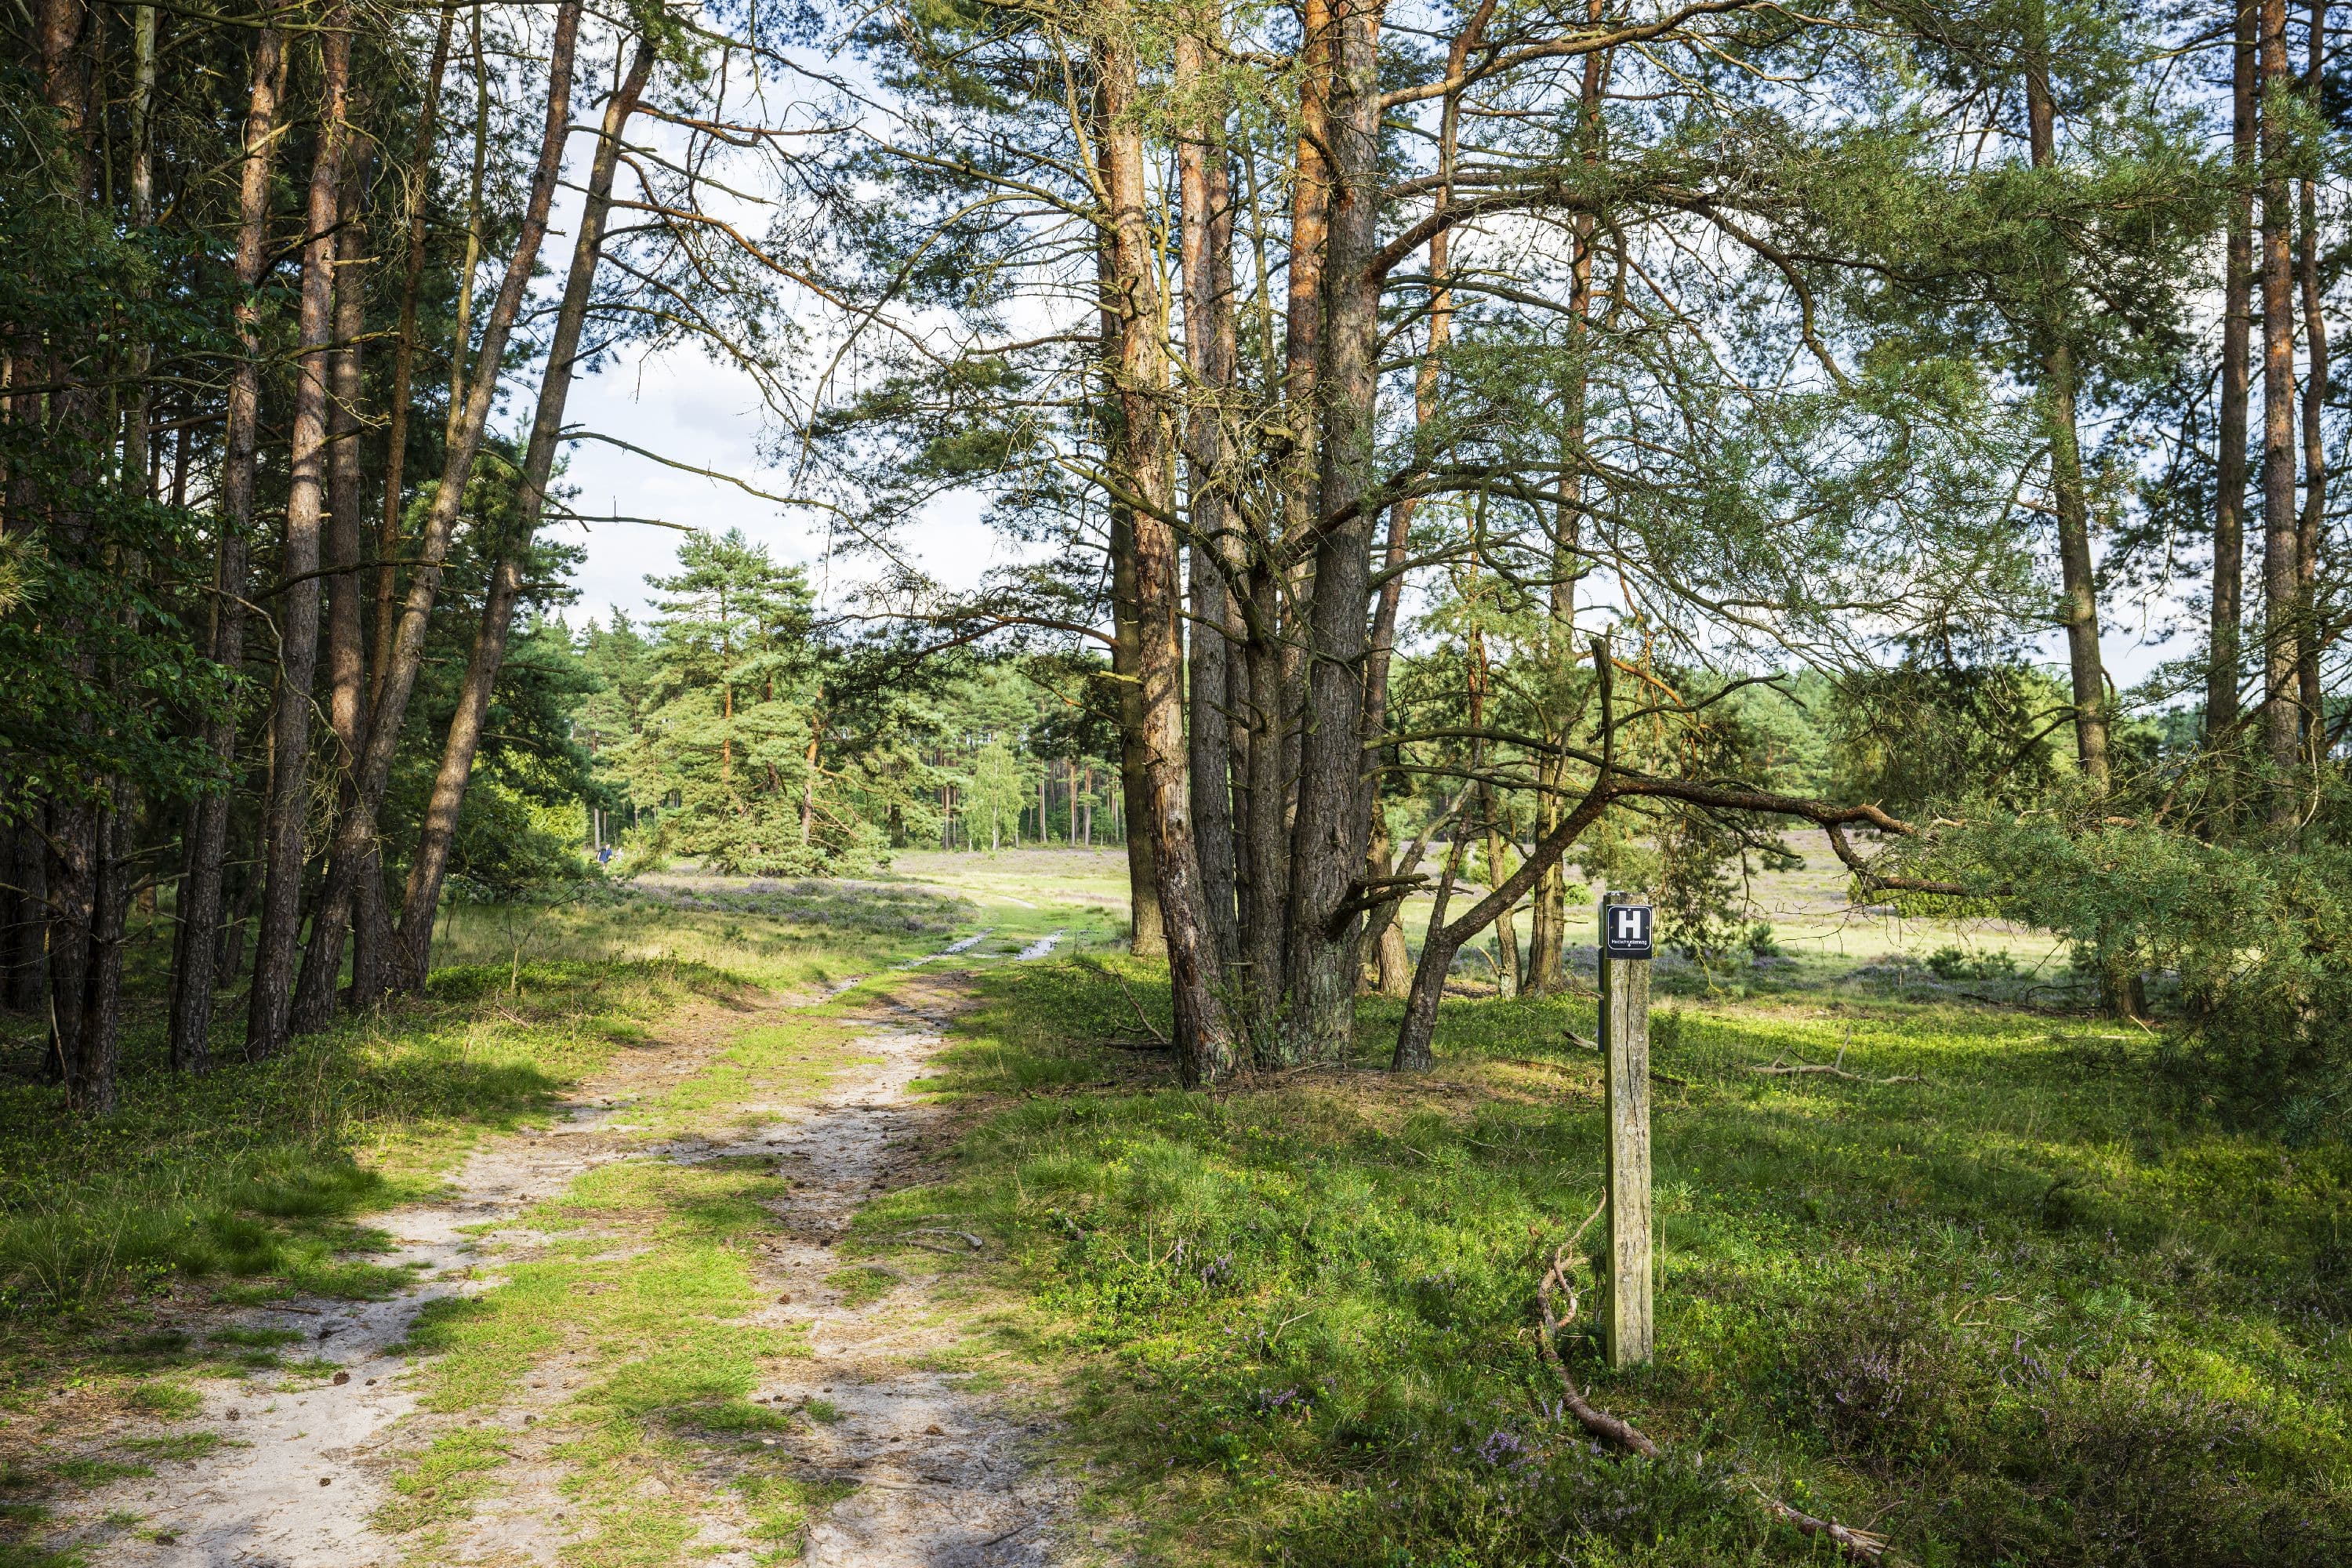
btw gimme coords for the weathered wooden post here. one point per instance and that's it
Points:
(1625, 953)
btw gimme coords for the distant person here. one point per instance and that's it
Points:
(604, 853)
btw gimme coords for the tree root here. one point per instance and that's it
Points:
(1861, 1545)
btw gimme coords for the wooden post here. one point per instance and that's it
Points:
(1625, 953)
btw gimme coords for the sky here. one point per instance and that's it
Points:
(687, 409)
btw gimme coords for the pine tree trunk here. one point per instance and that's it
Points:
(429, 866)
(1264, 848)
(2223, 646)
(271, 1002)
(1147, 938)
(2281, 565)
(1209, 350)
(1142, 463)
(2314, 435)
(2078, 609)
(347, 681)
(356, 835)
(1329, 829)
(403, 365)
(1506, 934)
(197, 944)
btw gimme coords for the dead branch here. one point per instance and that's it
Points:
(975, 1243)
(1781, 1066)
(1149, 1027)
(1861, 1545)
(1555, 1282)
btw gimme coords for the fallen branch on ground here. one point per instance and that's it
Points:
(1149, 1027)
(1862, 1545)
(969, 1240)
(1781, 1066)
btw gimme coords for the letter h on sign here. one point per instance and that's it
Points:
(1629, 930)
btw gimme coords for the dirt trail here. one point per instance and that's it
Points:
(943, 1476)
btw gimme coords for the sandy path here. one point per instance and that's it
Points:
(940, 1475)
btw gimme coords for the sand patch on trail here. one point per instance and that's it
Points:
(907, 1465)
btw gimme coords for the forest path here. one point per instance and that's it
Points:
(855, 1439)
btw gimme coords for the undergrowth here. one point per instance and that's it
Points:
(2026, 1312)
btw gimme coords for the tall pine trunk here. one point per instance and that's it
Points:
(355, 836)
(1141, 466)
(2282, 568)
(199, 946)
(270, 1004)
(2314, 409)
(430, 865)
(1210, 349)
(314, 993)
(404, 353)
(1328, 836)
(2223, 649)
(2078, 608)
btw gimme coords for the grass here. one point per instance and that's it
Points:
(256, 1182)
(2037, 1310)
(635, 1309)
(2029, 1311)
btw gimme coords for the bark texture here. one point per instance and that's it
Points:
(2282, 566)
(356, 834)
(269, 1007)
(430, 865)
(1141, 466)
(2078, 605)
(1329, 834)
(2223, 649)
(196, 943)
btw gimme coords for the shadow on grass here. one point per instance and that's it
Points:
(2019, 1313)
(252, 1172)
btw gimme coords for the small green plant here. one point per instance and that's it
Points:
(173, 1399)
(1951, 964)
(863, 1286)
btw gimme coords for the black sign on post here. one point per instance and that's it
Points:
(1625, 930)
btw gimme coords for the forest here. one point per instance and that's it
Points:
(1445, 461)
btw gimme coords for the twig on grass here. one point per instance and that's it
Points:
(1780, 1067)
(1861, 1545)
(974, 1242)
(1149, 1027)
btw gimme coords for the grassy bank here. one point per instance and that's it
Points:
(255, 1180)
(2023, 1312)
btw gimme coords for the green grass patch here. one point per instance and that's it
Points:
(671, 1363)
(2021, 1313)
(98, 1472)
(173, 1401)
(863, 1286)
(177, 1449)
